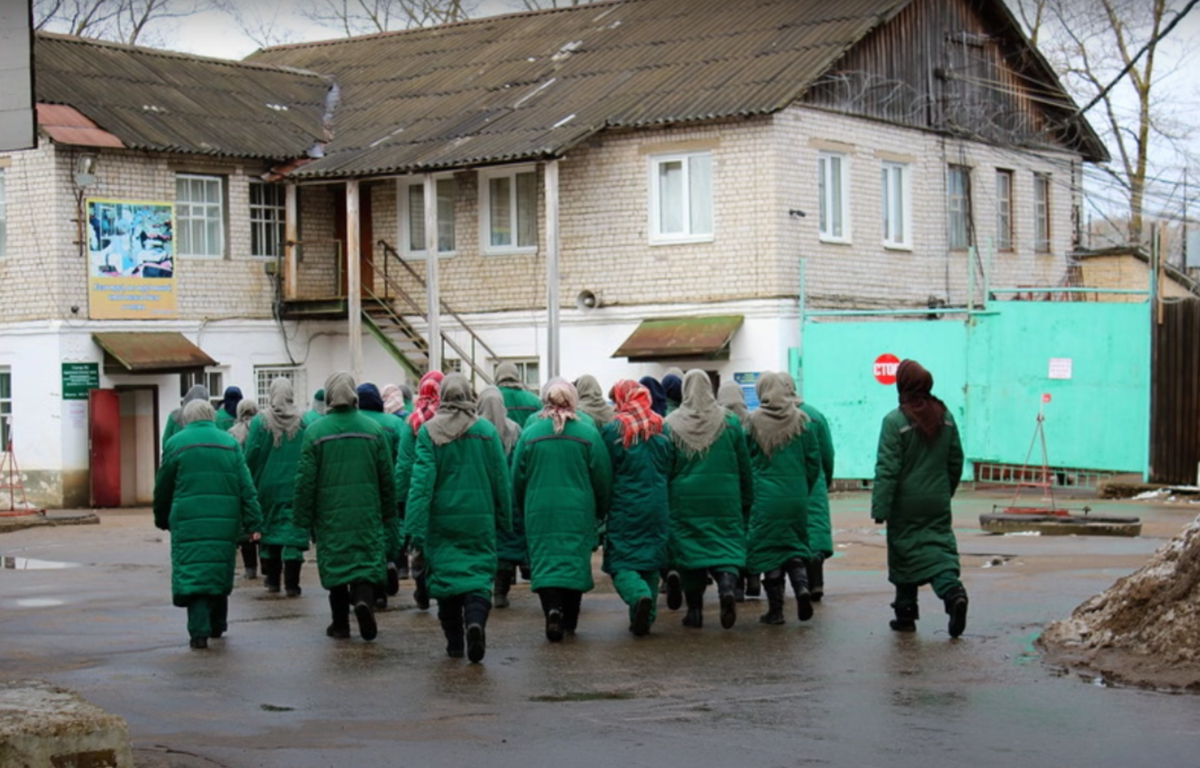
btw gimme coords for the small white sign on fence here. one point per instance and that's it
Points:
(1060, 368)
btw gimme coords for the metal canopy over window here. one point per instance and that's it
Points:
(680, 337)
(150, 352)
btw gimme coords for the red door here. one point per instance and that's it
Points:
(104, 447)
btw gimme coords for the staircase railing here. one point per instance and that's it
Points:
(386, 341)
(476, 342)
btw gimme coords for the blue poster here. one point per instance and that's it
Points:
(748, 381)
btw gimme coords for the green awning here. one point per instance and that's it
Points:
(681, 337)
(151, 352)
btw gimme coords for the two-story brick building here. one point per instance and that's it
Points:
(668, 161)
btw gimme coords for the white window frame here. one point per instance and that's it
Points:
(265, 374)
(485, 210)
(1042, 231)
(211, 378)
(952, 210)
(891, 219)
(1004, 210)
(267, 216)
(691, 231)
(6, 407)
(182, 221)
(3, 216)
(524, 366)
(404, 216)
(833, 202)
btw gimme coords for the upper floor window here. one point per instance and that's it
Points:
(1004, 222)
(412, 216)
(265, 374)
(3, 217)
(1041, 213)
(894, 204)
(834, 191)
(508, 210)
(199, 215)
(958, 207)
(681, 207)
(267, 216)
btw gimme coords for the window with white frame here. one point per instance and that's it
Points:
(834, 190)
(5, 407)
(958, 207)
(452, 365)
(1041, 213)
(265, 374)
(199, 215)
(527, 369)
(3, 217)
(681, 198)
(412, 216)
(508, 210)
(267, 216)
(895, 205)
(210, 380)
(1004, 222)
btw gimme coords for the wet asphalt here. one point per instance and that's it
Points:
(841, 689)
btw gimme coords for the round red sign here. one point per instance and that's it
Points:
(885, 369)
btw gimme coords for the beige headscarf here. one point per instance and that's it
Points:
(559, 402)
(491, 407)
(698, 421)
(732, 399)
(281, 416)
(197, 392)
(197, 410)
(591, 400)
(340, 391)
(778, 417)
(455, 410)
(247, 409)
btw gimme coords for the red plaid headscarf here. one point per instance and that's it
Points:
(428, 396)
(633, 411)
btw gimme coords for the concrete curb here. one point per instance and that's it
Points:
(38, 520)
(43, 726)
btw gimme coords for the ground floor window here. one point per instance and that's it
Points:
(265, 374)
(527, 368)
(5, 407)
(210, 380)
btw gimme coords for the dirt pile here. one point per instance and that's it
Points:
(1145, 629)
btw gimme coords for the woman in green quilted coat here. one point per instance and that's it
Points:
(371, 405)
(638, 525)
(175, 419)
(510, 544)
(820, 527)
(204, 496)
(562, 479)
(711, 491)
(786, 462)
(424, 409)
(520, 402)
(273, 446)
(917, 470)
(459, 497)
(345, 498)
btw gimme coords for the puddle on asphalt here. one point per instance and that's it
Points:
(584, 696)
(31, 564)
(38, 602)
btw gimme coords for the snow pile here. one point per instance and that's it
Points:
(1146, 627)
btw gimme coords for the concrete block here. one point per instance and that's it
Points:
(43, 726)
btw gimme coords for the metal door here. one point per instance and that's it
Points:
(104, 447)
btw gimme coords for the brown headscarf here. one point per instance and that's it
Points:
(778, 418)
(698, 421)
(924, 411)
(591, 400)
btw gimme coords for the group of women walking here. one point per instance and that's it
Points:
(669, 480)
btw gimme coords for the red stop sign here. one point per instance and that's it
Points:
(885, 369)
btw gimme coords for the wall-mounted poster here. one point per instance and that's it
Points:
(131, 260)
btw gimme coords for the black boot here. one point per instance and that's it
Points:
(526, 575)
(695, 610)
(402, 565)
(640, 625)
(674, 590)
(379, 596)
(421, 592)
(726, 586)
(551, 598)
(798, 575)
(291, 577)
(363, 612)
(775, 593)
(339, 606)
(816, 577)
(392, 586)
(450, 615)
(504, 581)
(753, 585)
(739, 589)
(475, 613)
(250, 558)
(906, 618)
(271, 568)
(572, 602)
(956, 608)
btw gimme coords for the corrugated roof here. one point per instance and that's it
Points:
(67, 125)
(528, 86)
(159, 100)
(680, 337)
(153, 351)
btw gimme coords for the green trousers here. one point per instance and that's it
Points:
(634, 585)
(906, 594)
(208, 615)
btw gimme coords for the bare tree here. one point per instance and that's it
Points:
(262, 22)
(125, 21)
(539, 5)
(362, 17)
(1111, 53)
